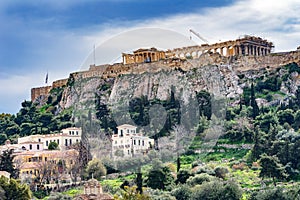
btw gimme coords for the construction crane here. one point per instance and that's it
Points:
(199, 36)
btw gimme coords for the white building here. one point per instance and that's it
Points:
(39, 142)
(128, 143)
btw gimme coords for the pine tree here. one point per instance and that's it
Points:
(297, 94)
(6, 163)
(14, 190)
(139, 181)
(160, 177)
(272, 168)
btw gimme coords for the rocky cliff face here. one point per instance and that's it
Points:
(218, 80)
(225, 79)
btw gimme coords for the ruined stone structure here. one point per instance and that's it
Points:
(143, 55)
(246, 46)
(243, 54)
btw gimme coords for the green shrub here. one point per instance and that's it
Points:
(274, 194)
(217, 190)
(199, 179)
(182, 193)
(182, 176)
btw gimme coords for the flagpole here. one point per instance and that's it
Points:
(94, 54)
(46, 80)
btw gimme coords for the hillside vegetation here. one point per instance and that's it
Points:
(255, 157)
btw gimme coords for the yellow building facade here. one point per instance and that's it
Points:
(46, 164)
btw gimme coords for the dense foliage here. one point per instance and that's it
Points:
(14, 190)
(257, 154)
(32, 120)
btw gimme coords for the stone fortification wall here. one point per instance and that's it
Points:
(39, 91)
(59, 83)
(44, 91)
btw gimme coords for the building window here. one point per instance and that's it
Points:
(139, 142)
(45, 159)
(29, 159)
(66, 142)
(47, 143)
(128, 152)
(77, 141)
(38, 147)
(72, 132)
(70, 141)
(39, 139)
(116, 142)
(121, 133)
(57, 141)
(76, 132)
(127, 130)
(134, 143)
(143, 143)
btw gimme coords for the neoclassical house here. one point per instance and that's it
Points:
(32, 157)
(128, 143)
(39, 142)
(54, 165)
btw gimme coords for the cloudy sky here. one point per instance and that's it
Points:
(58, 36)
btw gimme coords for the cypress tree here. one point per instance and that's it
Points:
(255, 109)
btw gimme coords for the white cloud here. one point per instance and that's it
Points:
(277, 21)
(14, 90)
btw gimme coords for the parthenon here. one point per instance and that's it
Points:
(246, 46)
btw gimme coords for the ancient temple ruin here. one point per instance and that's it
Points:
(143, 55)
(245, 46)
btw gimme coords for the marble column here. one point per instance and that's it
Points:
(261, 51)
(246, 49)
(241, 50)
(236, 49)
(233, 51)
